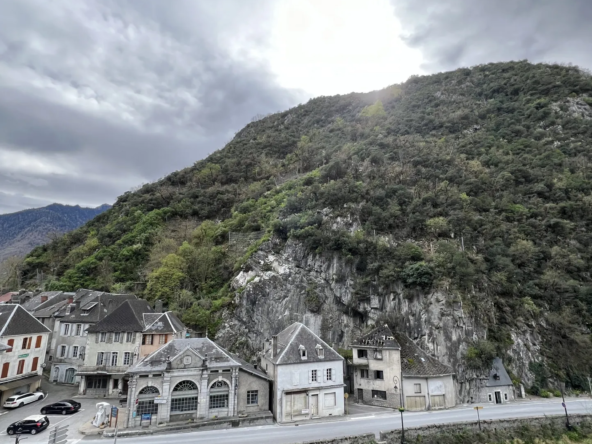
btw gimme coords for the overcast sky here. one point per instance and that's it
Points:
(97, 97)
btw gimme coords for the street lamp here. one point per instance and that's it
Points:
(397, 384)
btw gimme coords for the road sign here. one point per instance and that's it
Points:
(346, 395)
(478, 408)
(58, 435)
(146, 417)
(114, 412)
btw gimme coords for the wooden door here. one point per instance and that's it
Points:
(498, 397)
(314, 405)
(415, 403)
(437, 402)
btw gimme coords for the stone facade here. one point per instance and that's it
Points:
(429, 393)
(367, 383)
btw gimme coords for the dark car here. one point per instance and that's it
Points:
(32, 424)
(63, 407)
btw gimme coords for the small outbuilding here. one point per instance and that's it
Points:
(499, 388)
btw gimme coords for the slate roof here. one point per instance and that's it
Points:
(129, 316)
(250, 368)
(15, 320)
(498, 376)
(156, 361)
(381, 337)
(52, 306)
(162, 323)
(416, 362)
(100, 303)
(36, 301)
(299, 335)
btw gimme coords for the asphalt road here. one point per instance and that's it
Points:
(358, 424)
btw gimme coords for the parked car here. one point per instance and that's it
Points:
(20, 400)
(62, 407)
(32, 424)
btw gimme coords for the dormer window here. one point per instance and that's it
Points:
(320, 351)
(302, 352)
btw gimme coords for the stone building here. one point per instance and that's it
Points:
(68, 345)
(24, 340)
(427, 383)
(498, 388)
(130, 332)
(377, 368)
(194, 378)
(307, 375)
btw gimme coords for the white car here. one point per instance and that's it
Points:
(20, 400)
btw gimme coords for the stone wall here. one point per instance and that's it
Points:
(368, 438)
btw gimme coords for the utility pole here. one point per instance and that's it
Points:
(398, 385)
(567, 424)
(478, 416)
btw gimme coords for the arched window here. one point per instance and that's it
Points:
(146, 401)
(219, 395)
(184, 397)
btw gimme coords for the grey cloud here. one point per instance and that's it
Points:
(115, 93)
(456, 33)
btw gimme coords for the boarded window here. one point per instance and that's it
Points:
(330, 399)
(38, 341)
(417, 388)
(35, 364)
(437, 402)
(415, 403)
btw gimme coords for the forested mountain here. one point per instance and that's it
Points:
(22, 231)
(456, 206)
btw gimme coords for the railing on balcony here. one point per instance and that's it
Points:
(107, 369)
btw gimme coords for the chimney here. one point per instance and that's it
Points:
(44, 298)
(70, 299)
(274, 346)
(255, 365)
(158, 306)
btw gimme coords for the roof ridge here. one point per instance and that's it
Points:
(9, 319)
(222, 350)
(300, 325)
(153, 322)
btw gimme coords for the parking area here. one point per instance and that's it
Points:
(54, 393)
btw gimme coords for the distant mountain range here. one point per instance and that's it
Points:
(22, 231)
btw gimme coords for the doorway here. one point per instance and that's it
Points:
(314, 405)
(69, 378)
(498, 397)
(360, 395)
(56, 374)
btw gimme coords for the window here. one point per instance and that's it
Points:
(162, 339)
(302, 352)
(330, 399)
(26, 343)
(75, 351)
(146, 403)
(102, 337)
(127, 358)
(100, 358)
(66, 329)
(489, 397)
(364, 373)
(63, 350)
(78, 329)
(114, 359)
(128, 336)
(329, 374)
(379, 394)
(96, 382)
(417, 388)
(147, 340)
(252, 397)
(219, 401)
(10, 344)
(505, 396)
(184, 397)
(38, 341)
(378, 374)
(320, 351)
(362, 353)
(377, 354)
(116, 337)
(313, 376)
(5, 368)
(34, 365)
(21, 367)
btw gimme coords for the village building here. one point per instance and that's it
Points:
(82, 310)
(307, 375)
(428, 384)
(377, 368)
(499, 388)
(194, 379)
(24, 340)
(130, 332)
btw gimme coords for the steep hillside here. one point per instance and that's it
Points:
(456, 206)
(21, 232)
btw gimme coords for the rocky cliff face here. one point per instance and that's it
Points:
(285, 283)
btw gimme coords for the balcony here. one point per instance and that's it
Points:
(102, 370)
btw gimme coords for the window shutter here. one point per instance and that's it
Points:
(99, 358)
(97, 337)
(295, 378)
(107, 359)
(81, 352)
(324, 373)
(110, 338)
(309, 376)
(134, 338)
(333, 375)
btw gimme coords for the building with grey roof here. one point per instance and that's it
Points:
(82, 310)
(194, 378)
(428, 384)
(130, 332)
(499, 387)
(24, 340)
(307, 375)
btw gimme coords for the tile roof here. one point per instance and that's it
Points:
(129, 316)
(498, 376)
(416, 362)
(297, 336)
(7, 296)
(162, 323)
(15, 320)
(381, 337)
(156, 361)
